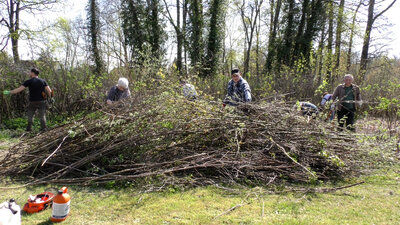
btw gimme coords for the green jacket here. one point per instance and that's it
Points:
(340, 92)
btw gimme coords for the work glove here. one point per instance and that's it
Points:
(6, 92)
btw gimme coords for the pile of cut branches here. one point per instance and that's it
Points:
(162, 136)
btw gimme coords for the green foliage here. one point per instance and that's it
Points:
(94, 34)
(215, 38)
(143, 29)
(390, 106)
(195, 33)
(322, 88)
(20, 123)
(17, 123)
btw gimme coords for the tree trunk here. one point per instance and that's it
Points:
(179, 38)
(367, 38)
(300, 32)
(271, 43)
(245, 24)
(311, 29)
(338, 35)
(215, 36)
(184, 22)
(196, 43)
(285, 54)
(258, 29)
(349, 52)
(330, 43)
(14, 10)
(94, 31)
(156, 35)
(271, 18)
(250, 34)
(320, 56)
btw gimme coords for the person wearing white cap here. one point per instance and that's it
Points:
(119, 91)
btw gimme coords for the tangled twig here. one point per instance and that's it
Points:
(166, 137)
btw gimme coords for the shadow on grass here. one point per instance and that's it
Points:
(48, 222)
(27, 215)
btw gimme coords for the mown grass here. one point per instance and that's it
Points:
(375, 202)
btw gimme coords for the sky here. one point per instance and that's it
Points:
(393, 15)
(76, 8)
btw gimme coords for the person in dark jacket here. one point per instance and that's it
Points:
(119, 91)
(238, 89)
(38, 92)
(349, 97)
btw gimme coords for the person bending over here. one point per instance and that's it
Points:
(119, 91)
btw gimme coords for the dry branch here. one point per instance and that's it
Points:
(165, 137)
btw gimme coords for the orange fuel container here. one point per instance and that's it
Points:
(61, 204)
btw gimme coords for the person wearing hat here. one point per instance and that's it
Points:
(238, 89)
(119, 91)
(38, 89)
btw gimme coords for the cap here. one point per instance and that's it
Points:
(234, 71)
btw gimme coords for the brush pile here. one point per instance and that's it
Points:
(164, 137)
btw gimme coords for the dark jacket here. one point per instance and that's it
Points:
(239, 92)
(115, 94)
(340, 92)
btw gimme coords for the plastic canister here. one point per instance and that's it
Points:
(61, 205)
(10, 213)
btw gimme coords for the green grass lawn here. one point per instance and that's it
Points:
(375, 202)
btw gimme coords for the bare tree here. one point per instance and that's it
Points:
(329, 43)
(249, 24)
(349, 51)
(114, 44)
(179, 30)
(13, 10)
(372, 16)
(338, 40)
